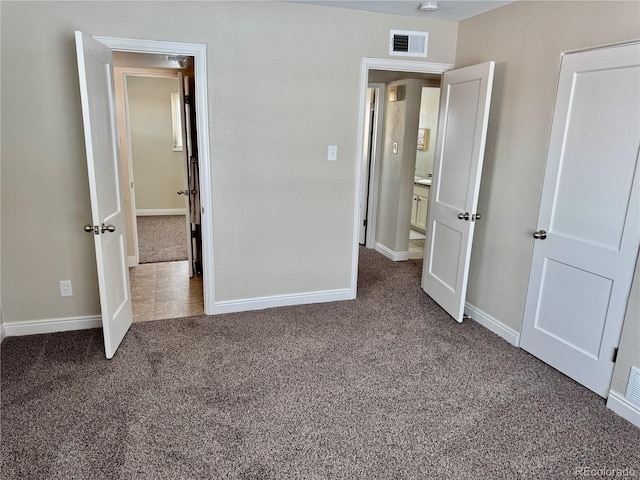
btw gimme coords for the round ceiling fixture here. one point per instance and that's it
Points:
(430, 6)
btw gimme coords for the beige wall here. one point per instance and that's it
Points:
(629, 348)
(129, 64)
(157, 169)
(283, 84)
(397, 169)
(429, 107)
(526, 40)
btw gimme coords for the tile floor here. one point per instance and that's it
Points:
(164, 290)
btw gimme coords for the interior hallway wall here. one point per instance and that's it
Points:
(157, 169)
(397, 169)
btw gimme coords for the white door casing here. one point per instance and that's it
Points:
(590, 213)
(372, 167)
(465, 97)
(108, 219)
(366, 163)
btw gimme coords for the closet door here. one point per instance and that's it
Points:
(589, 222)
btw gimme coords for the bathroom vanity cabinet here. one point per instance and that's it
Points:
(420, 207)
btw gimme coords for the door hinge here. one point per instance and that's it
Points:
(615, 355)
(187, 99)
(364, 222)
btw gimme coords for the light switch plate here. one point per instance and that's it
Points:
(332, 153)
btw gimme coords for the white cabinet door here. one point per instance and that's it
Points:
(421, 212)
(414, 211)
(98, 114)
(462, 128)
(590, 214)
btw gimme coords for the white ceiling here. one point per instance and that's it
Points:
(452, 10)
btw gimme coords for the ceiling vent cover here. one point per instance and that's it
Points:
(408, 44)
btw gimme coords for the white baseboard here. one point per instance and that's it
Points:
(493, 324)
(260, 303)
(3, 334)
(395, 256)
(51, 325)
(148, 212)
(623, 407)
(133, 261)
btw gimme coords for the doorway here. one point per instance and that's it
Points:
(400, 104)
(153, 154)
(462, 124)
(169, 51)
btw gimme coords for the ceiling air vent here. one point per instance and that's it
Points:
(408, 44)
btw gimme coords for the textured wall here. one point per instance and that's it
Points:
(283, 84)
(629, 348)
(397, 169)
(157, 169)
(526, 40)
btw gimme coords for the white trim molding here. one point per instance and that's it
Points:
(51, 325)
(260, 303)
(3, 334)
(395, 256)
(150, 212)
(623, 407)
(493, 324)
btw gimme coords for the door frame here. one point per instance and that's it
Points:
(371, 165)
(367, 64)
(135, 72)
(199, 54)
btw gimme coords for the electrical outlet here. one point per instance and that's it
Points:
(65, 288)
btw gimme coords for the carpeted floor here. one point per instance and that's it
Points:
(383, 387)
(162, 238)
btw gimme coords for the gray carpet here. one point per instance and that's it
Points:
(386, 386)
(162, 238)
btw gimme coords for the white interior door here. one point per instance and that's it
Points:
(192, 174)
(465, 96)
(186, 144)
(589, 220)
(108, 220)
(366, 164)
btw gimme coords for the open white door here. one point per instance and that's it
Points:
(462, 129)
(191, 174)
(186, 144)
(589, 221)
(108, 221)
